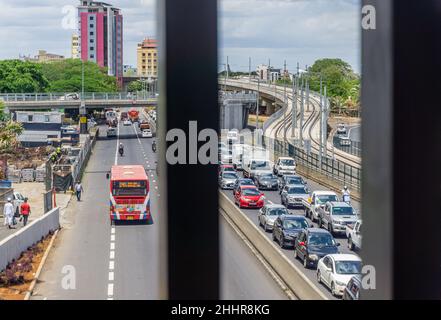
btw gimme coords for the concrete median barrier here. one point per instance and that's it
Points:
(298, 283)
(12, 246)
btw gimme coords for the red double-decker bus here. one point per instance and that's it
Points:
(129, 194)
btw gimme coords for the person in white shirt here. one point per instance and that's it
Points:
(346, 195)
(8, 213)
(78, 189)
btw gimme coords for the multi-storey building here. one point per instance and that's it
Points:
(147, 55)
(101, 35)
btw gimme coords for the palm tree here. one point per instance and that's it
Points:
(336, 104)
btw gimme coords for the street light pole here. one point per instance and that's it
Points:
(257, 105)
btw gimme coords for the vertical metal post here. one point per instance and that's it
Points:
(294, 108)
(257, 105)
(302, 110)
(228, 69)
(325, 123)
(321, 122)
(249, 69)
(189, 243)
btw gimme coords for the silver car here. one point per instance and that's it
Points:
(227, 180)
(293, 194)
(268, 215)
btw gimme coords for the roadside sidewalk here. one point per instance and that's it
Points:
(34, 192)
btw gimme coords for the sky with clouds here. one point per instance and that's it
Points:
(292, 30)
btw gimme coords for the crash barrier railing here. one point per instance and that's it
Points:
(294, 279)
(48, 201)
(333, 169)
(12, 246)
(56, 96)
(273, 118)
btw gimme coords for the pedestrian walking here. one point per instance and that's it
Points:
(25, 209)
(8, 213)
(78, 190)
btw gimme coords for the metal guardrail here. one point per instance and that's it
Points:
(333, 169)
(91, 96)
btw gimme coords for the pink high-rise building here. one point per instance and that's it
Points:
(100, 28)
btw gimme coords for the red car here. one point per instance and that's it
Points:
(226, 167)
(249, 197)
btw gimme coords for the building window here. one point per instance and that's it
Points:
(30, 118)
(143, 54)
(92, 41)
(91, 33)
(143, 60)
(90, 17)
(92, 56)
(46, 118)
(91, 25)
(91, 48)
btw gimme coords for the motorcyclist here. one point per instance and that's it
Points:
(346, 195)
(121, 149)
(154, 146)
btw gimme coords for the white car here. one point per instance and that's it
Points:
(285, 165)
(335, 271)
(70, 96)
(146, 133)
(127, 122)
(341, 128)
(268, 215)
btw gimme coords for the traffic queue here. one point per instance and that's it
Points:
(312, 244)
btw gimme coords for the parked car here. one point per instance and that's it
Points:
(249, 197)
(352, 290)
(312, 244)
(334, 216)
(268, 214)
(317, 199)
(353, 233)
(146, 133)
(293, 195)
(290, 179)
(227, 180)
(285, 165)
(287, 228)
(336, 270)
(266, 181)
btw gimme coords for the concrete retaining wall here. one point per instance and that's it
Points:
(12, 246)
(299, 284)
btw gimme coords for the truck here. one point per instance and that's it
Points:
(353, 233)
(256, 160)
(335, 216)
(315, 201)
(134, 115)
(143, 125)
(124, 115)
(111, 118)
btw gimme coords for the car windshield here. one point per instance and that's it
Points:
(294, 180)
(259, 165)
(228, 169)
(321, 240)
(297, 190)
(267, 176)
(287, 162)
(247, 182)
(295, 224)
(277, 211)
(343, 211)
(348, 267)
(326, 198)
(251, 192)
(230, 175)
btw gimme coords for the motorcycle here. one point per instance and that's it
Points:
(154, 146)
(121, 152)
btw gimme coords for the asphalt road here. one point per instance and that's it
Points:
(274, 197)
(93, 260)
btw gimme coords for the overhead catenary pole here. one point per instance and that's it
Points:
(325, 123)
(228, 69)
(249, 69)
(257, 104)
(294, 108)
(302, 110)
(307, 95)
(321, 123)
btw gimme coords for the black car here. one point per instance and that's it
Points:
(286, 229)
(313, 244)
(352, 290)
(267, 181)
(290, 179)
(243, 182)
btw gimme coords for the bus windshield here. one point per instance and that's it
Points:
(129, 188)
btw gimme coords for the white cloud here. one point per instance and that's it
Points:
(295, 30)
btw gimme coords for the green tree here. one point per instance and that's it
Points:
(18, 76)
(337, 75)
(135, 86)
(65, 76)
(9, 132)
